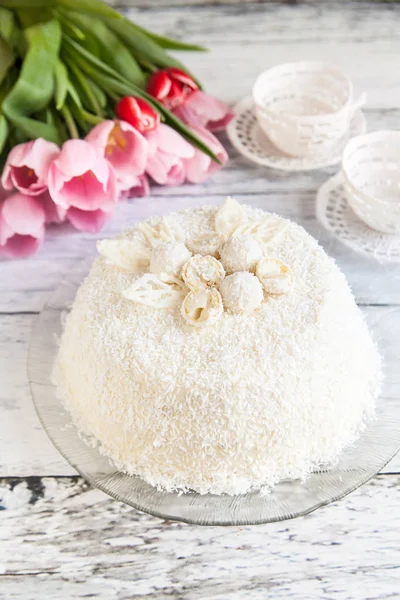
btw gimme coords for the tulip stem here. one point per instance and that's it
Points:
(72, 128)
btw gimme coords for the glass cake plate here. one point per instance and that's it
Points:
(289, 499)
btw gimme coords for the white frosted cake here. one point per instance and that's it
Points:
(218, 350)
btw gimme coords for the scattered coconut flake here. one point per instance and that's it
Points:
(241, 292)
(169, 257)
(241, 253)
(208, 244)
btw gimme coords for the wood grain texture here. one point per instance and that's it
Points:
(59, 538)
(74, 542)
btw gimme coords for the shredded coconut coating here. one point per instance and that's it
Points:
(241, 253)
(169, 257)
(241, 292)
(244, 403)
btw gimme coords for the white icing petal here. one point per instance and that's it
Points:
(241, 292)
(167, 230)
(158, 291)
(275, 276)
(208, 244)
(229, 217)
(202, 272)
(169, 257)
(264, 231)
(202, 307)
(125, 254)
(241, 253)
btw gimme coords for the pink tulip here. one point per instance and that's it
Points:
(123, 146)
(27, 165)
(202, 110)
(80, 178)
(139, 187)
(167, 149)
(22, 220)
(53, 212)
(200, 166)
(87, 220)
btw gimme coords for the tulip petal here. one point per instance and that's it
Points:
(165, 169)
(159, 85)
(76, 158)
(134, 187)
(169, 141)
(23, 214)
(201, 166)
(88, 220)
(98, 135)
(203, 110)
(53, 212)
(22, 246)
(27, 166)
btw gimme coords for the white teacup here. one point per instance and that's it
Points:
(304, 107)
(371, 173)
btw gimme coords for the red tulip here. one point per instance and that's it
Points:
(138, 113)
(171, 86)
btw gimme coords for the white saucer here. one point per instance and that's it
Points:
(249, 139)
(335, 214)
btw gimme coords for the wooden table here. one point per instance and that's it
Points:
(59, 538)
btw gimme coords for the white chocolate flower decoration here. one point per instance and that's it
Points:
(158, 291)
(167, 230)
(229, 217)
(241, 292)
(208, 244)
(275, 276)
(241, 253)
(265, 231)
(202, 307)
(125, 254)
(169, 257)
(202, 272)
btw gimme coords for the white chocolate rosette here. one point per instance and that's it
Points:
(276, 277)
(202, 307)
(202, 272)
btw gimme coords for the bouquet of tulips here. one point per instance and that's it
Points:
(92, 108)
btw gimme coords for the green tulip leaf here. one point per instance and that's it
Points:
(7, 58)
(112, 51)
(169, 43)
(3, 132)
(143, 46)
(34, 88)
(91, 7)
(61, 83)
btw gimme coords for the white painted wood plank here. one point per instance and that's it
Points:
(74, 542)
(245, 40)
(26, 284)
(269, 21)
(24, 447)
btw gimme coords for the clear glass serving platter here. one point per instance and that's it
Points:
(357, 464)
